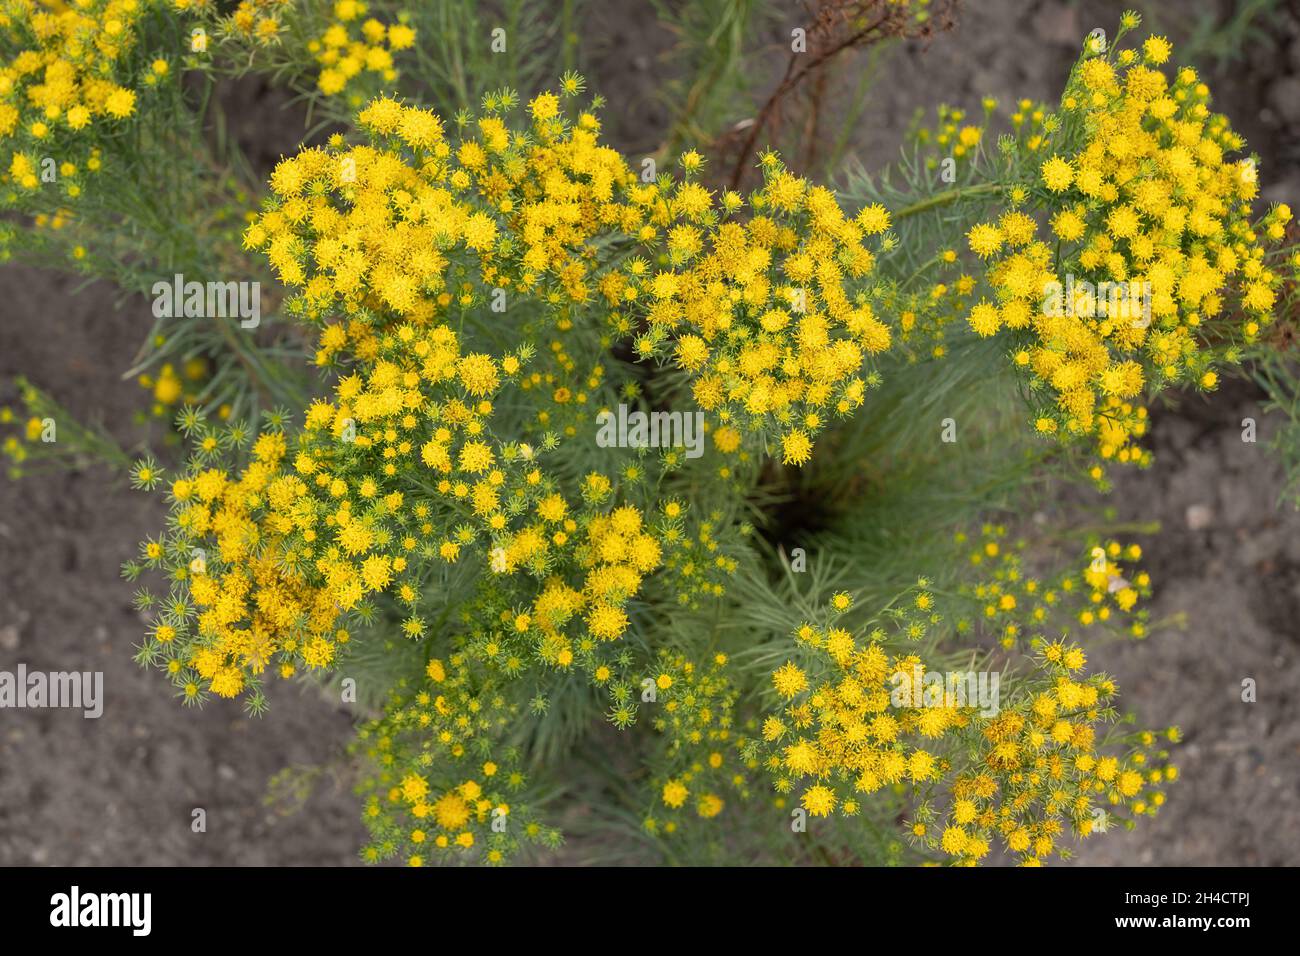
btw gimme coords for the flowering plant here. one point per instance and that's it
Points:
(773, 649)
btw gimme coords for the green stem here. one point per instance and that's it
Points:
(946, 198)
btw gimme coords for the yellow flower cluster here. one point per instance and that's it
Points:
(952, 135)
(1042, 773)
(239, 598)
(61, 73)
(430, 797)
(1153, 268)
(701, 758)
(955, 151)
(257, 20)
(857, 716)
(1010, 599)
(170, 387)
(756, 311)
(402, 211)
(351, 46)
(401, 463)
(14, 447)
(839, 727)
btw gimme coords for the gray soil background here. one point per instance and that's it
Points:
(1225, 564)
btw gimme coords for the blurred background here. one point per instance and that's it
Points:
(1225, 560)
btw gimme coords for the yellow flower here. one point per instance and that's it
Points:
(819, 800)
(985, 239)
(873, 219)
(789, 680)
(1057, 174)
(674, 794)
(796, 448)
(984, 319)
(1156, 49)
(120, 103)
(545, 106)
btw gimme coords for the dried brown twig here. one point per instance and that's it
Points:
(837, 26)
